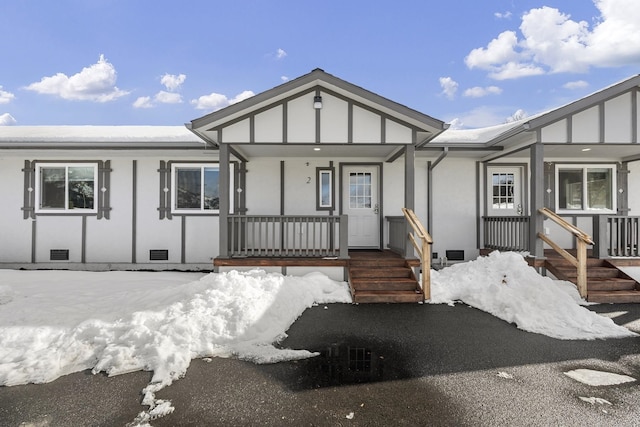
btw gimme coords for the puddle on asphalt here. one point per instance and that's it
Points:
(340, 364)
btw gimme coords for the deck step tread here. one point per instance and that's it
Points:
(387, 297)
(630, 296)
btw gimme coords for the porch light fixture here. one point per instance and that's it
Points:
(317, 102)
(316, 148)
(586, 149)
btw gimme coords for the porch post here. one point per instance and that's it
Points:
(536, 245)
(409, 193)
(223, 195)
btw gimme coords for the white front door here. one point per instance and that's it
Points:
(361, 204)
(505, 188)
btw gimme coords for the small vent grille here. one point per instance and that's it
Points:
(455, 255)
(159, 255)
(59, 255)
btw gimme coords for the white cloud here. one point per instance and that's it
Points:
(481, 117)
(93, 83)
(143, 102)
(479, 92)
(216, 101)
(551, 42)
(7, 119)
(6, 97)
(165, 97)
(173, 81)
(284, 78)
(578, 84)
(449, 87)
(280, 53)
(500, 15)
(241, 96)
(456, 124)
(517, 115)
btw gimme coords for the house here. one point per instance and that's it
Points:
(314, 175)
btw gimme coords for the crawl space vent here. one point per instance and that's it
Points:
(59, 255)
(159, 255)
(455, 255)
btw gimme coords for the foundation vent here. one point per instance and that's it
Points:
(59, 255)
(159, 255)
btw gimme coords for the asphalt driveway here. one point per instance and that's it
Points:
(380, 365)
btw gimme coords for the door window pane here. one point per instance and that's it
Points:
(360, 190)
(503, 190)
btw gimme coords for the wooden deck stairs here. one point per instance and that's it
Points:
(383, 277)
(606, 283)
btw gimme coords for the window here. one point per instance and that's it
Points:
(324, 191)
(196, 188)
(64, 187)
(585, 188)
(360, 190)
(503, 190)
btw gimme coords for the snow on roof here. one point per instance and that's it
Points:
(96, 134)
(479, 135)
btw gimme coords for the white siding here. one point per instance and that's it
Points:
(58, 232)
(555, 132)
(586, 126)
(617, 126)
(237, 132)
(13, 228)
(634, 185)
(153, 233)
(301, 120)
(397, 133)
(366, 126)
(268, 125)
(334, 122)
(263, 187)
(201, 239)
(454, 207)
(101, 246)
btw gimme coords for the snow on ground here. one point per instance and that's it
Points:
(53, 323)
(598, 378)
(513, 291)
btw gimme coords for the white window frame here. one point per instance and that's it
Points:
(201, 210)
(65, 209)
(584, 168)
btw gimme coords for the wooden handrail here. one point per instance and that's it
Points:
(582, 240)
(423, 248)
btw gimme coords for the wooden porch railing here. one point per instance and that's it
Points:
(617, 236)
(422, 247)
(582, 240)
(288, 236)
(506, 233)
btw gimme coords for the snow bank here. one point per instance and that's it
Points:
(504, 285)
(230, 314)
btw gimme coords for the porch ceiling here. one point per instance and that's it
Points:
(381, 151)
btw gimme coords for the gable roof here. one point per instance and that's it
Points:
(315, 78)
(493, 135)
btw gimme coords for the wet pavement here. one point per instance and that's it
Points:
(380, 365)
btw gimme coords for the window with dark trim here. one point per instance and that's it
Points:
(192, 188)
(586, 188)
(66, 187)
(325, 189)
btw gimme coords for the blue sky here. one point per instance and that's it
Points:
(472, 63)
